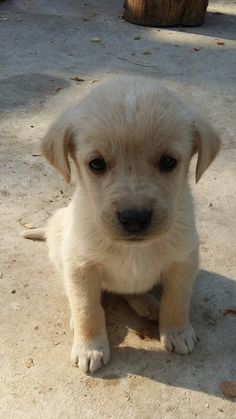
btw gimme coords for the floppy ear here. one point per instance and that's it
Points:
(206, 144)
(58, 145)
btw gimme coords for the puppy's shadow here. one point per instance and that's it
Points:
(136, 349)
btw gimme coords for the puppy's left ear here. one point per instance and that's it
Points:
(206, 143)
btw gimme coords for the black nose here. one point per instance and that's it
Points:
(133, 220)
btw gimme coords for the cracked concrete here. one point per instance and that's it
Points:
(43, 45)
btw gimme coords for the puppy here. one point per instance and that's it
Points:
(131, 221)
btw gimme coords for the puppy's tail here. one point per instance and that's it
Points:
(34, 234)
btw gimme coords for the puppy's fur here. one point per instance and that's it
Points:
(131, 123)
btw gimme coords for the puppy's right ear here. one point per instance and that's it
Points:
(58, 145)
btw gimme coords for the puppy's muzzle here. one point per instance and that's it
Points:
(134, 220)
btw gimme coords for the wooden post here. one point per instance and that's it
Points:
(165, 12)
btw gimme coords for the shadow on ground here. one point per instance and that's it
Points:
(213, 358)
(29, 91)
(211, 26)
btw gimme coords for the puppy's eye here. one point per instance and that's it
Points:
(167, 163)
(98, 165)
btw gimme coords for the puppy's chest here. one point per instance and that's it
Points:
(132, 271)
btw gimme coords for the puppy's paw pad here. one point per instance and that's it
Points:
(181, 341)
(91, 356)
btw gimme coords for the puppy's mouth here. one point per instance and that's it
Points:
(144, 238)
(135, 239)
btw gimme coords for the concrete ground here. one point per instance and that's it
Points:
(43, 45)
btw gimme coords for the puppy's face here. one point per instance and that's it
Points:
(132, 142)
(134, 174)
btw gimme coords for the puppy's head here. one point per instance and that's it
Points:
(132, 142)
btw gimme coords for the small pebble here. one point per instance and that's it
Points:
(96, 39)
(29, 363)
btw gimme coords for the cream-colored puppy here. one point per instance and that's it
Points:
(131, 221)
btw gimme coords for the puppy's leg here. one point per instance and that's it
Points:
(90, 348)
(145, 305)
(176, 331)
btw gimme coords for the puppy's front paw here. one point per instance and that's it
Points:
(181, 341)
(90, 356)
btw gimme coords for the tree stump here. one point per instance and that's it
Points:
(165, 12)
